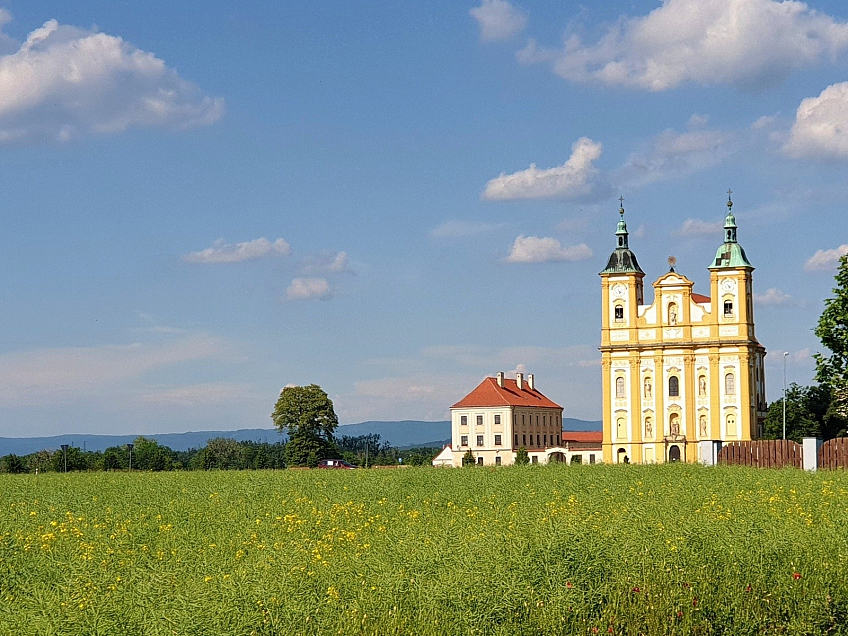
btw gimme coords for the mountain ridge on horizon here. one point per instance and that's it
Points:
(399, 433)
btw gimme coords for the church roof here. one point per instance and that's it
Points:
(488, 393)
(622, 261)
(700, 299)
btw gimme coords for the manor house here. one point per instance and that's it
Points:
(683, 368)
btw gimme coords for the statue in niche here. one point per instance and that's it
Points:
(675, 426)
(648, 390)
(672, 314)
(702, 425)
(649, 427)
(702, 386)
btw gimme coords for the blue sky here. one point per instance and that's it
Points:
(205, 202)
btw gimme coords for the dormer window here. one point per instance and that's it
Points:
(728, 308)
(619, 313)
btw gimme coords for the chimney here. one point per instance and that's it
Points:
(500, 378)
(519, 381)
(530, 383)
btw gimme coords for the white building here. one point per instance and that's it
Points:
(502, 415)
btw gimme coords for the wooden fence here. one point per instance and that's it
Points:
(767, 453)
(834, 454)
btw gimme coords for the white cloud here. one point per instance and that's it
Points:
(462, 229)
(673, 153)
(198, 394)
(498, 20)
(534, 249)
(697, 227)
(56, 376)
(222, 252)
(308, 288)
(574, 178)
(64, 82)
(750, 43)
(826, 259)
(328, 262)
(821, 126)
(773, 296)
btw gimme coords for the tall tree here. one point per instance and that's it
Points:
(306, 414)
(804, 414)
(832, 330)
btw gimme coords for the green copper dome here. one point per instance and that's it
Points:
(622, 260)
(731, 253)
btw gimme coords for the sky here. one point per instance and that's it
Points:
(203, 203)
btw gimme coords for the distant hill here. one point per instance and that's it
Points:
(402, 434)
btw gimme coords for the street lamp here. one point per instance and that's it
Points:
(785, 355)
(129, 448)
(65, 453)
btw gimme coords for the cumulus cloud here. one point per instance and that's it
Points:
(64, 82)
(697, 227)
(309, 288)
(575, 178)
(673, 154)
(821, 126)
(498, 20)
(749, 43)
(534, 249)
(222, 252)
(773, 296)
(826, 259)
(461, 229)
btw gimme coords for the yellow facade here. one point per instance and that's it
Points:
(684, 368)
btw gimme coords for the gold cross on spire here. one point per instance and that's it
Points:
(621, 201)
(729, 200)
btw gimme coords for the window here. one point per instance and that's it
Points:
(619, 387)
(479, 420)
(479, 440)
(497, 440)
(516, 439)
(728, 307)
(577, 459)
(535, 459)
(537, 440)
(545, 438)
(479, 461)
(498, 460)
(730, 384)
(497, 420)
(673, 386)
(592, 458)
(463, 441)
(524, 440)
(463, 420)
(619, 313)
(558, 442)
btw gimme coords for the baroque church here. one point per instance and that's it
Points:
(684, 369)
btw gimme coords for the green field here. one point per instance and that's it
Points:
(520, 550)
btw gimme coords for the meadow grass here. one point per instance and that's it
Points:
(674, 549)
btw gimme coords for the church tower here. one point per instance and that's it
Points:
(685, 368)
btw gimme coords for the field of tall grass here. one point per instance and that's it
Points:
(674, 549)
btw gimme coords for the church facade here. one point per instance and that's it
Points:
(684, 368)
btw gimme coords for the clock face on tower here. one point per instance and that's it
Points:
(619, 290)
(728, 284)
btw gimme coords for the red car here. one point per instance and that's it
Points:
(335, 463)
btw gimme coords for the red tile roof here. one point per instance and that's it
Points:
(700, 298)
(594, 437)
(488, 393)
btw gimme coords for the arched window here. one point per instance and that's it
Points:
(619, 313)
(728, 307)
(730, 384)
(673, 386)
(619, 387)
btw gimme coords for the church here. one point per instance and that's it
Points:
(685, 368)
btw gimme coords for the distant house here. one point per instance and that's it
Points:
(444, 458)
(583, 447)
(502, 415)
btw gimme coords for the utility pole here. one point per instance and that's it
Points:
(785, 355)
